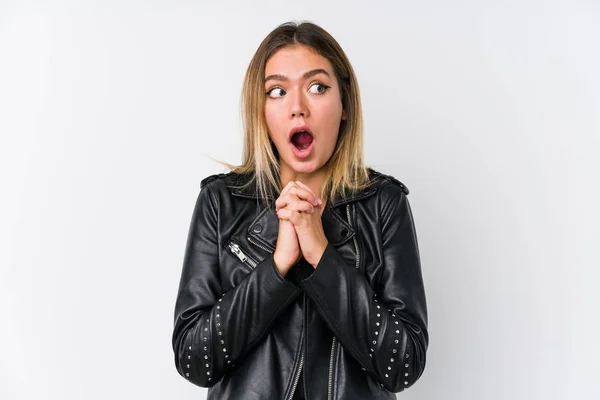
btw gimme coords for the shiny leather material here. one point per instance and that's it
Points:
(356, 326)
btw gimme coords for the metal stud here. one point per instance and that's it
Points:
(406, 382)
(376, 333)
(406, 374)
(391, 360)
(387, 376)
(397, 331)
(222, 342)
(207, 372)
(218, 315)
(206, 357)
(190, 347)
(207, 365)
(396, 341)
(394, 351)
(396, 322)
(374, 342)
(188, 365)
(189, 357)
(378, 315)
(406, 365)
(376, 323)
(390, 368)
(224, 350)
(406, 355)
(187, 374)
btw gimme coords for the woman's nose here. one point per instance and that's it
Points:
(298, 104)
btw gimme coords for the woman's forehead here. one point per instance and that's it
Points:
(294, 63)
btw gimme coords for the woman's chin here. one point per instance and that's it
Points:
(303, 166)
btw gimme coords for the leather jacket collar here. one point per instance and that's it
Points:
(265, 227)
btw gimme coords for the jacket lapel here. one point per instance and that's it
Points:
(263, 230)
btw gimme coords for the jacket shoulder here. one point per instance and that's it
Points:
(385, 179)
(223, 176)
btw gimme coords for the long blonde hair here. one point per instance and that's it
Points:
(346, 167)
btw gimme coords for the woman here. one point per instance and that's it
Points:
(316, 291)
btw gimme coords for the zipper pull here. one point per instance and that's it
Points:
(236, 249)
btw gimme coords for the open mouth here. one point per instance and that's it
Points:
(302, 139)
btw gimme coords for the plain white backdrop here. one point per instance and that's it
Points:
(489, 111)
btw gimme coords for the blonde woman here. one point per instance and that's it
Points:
(301, 276)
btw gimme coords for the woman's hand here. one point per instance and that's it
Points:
(295, 207)
(287, 252)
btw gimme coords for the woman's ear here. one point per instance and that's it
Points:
(344, 114)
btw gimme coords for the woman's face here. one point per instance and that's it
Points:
(302, 90)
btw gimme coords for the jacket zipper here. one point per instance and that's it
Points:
(297, 378)
(237, 251)
(355, 241)
(330, 385)
(254, 242)
(301, 364)
(333, 342)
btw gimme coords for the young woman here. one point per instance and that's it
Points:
(301, 276)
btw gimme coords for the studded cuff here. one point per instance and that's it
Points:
(367, 327)
(234, 323)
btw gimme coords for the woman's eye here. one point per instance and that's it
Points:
(274, 90)
(321, 88)
(324, 87)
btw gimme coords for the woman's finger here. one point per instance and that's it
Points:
(289, 215)
(292, 193)
(304, 194)
(317, 198)
(301, 206)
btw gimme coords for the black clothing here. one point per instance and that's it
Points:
(355, 327)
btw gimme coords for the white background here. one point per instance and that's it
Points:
(488, 111)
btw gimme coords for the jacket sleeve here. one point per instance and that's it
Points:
(212, 329)
(384, 329)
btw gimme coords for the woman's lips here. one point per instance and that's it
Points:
(303, 153)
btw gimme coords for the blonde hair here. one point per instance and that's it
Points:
(346, 167)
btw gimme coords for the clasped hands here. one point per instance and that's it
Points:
(300, 227)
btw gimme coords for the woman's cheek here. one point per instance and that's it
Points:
(272, 121)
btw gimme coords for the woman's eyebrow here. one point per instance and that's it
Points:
(306, 75)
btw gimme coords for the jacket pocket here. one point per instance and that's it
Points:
(235, 249)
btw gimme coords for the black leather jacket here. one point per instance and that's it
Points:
(353, 328)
